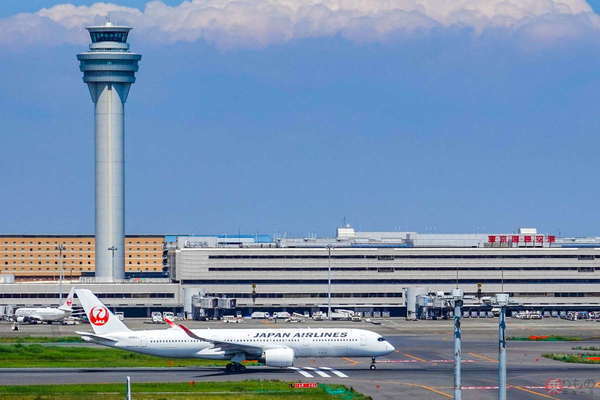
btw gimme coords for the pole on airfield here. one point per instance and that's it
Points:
(113, 249)
(61, 248)
(128, 388)
(502, 300)
(329, 282)
(457, 294)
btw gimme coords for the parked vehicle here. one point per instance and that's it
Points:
(156, 317)
(260, 315)
(231, 319)
(168, 315)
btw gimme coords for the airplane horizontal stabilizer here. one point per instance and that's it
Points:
(88, 336)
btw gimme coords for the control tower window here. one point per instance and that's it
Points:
(108, 37)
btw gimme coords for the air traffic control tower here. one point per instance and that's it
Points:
(109, 70)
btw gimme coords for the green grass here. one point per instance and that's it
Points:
(37, 356)
(551, 338)
(41, 339)
(240, 390)
(587, 348)
(572, 358)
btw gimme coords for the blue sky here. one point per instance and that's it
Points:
(436, 130)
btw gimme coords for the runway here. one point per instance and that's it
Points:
(421, 368)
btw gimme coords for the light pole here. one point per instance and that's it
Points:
(61, 248)
(502, 299)
(113, 249)
(128, 388)
(329, 282)
(457, 296)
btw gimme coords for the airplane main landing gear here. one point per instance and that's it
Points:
(372, 366)
(234, 368)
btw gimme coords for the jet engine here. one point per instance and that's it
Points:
(278, 357)
(21, 319)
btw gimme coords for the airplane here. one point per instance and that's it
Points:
(273, 347)
(46, 314)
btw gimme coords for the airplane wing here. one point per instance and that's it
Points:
(223, 344)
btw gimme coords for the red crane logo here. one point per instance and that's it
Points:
(98, 316)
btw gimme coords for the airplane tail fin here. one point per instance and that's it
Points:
(68, 304)
(102, 320)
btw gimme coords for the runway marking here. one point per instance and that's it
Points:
(536, 393)
(351, 361)
(303, 373)
(266, 322)
(414, 357)
(433, 390)
(338, 373)
(451, 361)
(483, 357)
(316, 371)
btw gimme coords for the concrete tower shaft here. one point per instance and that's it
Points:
(109, 70)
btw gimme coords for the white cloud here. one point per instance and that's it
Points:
(256, 23)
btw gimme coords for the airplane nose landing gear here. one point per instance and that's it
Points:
(372, 366)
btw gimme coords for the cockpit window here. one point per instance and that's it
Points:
(381, 339)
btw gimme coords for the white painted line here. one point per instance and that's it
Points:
(303, 373)
(450, 361)
(338, 373)
(320, 373)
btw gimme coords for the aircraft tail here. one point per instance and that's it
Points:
(68, 304)
(102, 320)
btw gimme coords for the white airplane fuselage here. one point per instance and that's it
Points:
(43, 314)
(305, 342)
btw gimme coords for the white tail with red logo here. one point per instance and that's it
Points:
(68, 304)
(102, 320)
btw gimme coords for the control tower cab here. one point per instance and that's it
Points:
(109, 70)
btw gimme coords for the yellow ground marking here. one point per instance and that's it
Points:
(351, 361)
(266, 322)
(533, 392)
(483, 357)
(446, 395)
(415, 357)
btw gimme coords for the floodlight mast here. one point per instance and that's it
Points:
(457, 298)
(502, 300)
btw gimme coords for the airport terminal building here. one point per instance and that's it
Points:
(368, 272)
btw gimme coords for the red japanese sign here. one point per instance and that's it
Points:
(539, 239)
(304, 385)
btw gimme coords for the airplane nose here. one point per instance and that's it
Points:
(390, 348)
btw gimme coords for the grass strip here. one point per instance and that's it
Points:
(38, 356)
(580, 358)
(550, 338)
(586, 348)
(41, 339)
(245, 390)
